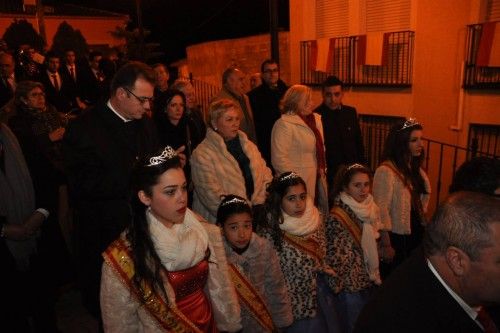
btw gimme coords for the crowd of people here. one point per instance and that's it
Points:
(260, 217)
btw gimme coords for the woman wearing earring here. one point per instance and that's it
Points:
(227, 162)
(401, 189)
(168, 271)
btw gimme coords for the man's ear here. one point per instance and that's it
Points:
(457, 260)
(144, 198)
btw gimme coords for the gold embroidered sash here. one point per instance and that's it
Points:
(309, 246)
(351, 226)
(118, 256)
(251, 299)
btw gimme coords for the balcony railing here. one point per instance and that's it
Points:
(347, 65)
(477, 76)
(441, 159)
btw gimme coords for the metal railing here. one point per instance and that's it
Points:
(204, 93)
(478, 77)
(395, 71)
(441, 159)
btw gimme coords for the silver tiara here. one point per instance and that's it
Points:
(292, 175)
(167, 153)
(233, 201)
(410, 122)
(355, 166)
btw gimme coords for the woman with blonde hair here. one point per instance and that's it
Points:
(226, 162)
(297, 143)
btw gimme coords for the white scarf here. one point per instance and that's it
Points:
(181, 246)
(304, 225)
(369, 213)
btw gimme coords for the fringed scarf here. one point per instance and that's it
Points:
(320, 150)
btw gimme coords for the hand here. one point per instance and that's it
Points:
(33, 223)
(387, 254)
(57, 134)
(81, 104)
(182, 156)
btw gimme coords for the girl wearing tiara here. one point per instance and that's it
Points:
(351, 233)
(401, 188)
(168, 270)
(295, 227)
(255, 270)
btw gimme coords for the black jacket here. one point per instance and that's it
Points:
(413, 300)
(265, 106)
(343, 140)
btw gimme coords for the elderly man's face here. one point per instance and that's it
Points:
(235, 82)
(481, 284)
(6, 65)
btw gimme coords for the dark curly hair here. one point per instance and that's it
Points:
(146, 261)
(480, 174)
(273, 215)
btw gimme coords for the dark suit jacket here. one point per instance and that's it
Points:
(100, 150)
(413, 300)
(265, 106)
(5, 93)
(343, 140)
(90, 88)
(65, 99)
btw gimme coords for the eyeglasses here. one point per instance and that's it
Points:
(141, 99)
(269, 71)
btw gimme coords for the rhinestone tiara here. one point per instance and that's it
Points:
(233, 201)
(410, 122)
(167, 153)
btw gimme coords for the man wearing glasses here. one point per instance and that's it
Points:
(343, 140)
(100, 148)
(265, 100)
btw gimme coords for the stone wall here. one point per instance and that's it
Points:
(207, 61)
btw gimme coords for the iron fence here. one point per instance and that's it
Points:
(347, 64)
(476, 76)
(441, 159)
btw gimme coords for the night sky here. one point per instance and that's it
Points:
(176, 24)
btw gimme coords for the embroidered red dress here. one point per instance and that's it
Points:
(191, 300)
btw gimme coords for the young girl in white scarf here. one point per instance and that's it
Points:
(296, 229)
(352, 233)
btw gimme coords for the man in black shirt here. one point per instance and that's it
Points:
(343, 140)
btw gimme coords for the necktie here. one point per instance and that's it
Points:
(56, 83)
(485, 320)
(72, 73)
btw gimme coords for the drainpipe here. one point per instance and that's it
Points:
(273, 28)
(461, 99)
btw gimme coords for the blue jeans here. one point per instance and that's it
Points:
(326, 320)
(349, 306)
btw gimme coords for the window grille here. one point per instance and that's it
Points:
(475, 76)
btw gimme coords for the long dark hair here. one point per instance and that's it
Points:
(232, 204)
(147, 264)
(344, 176)
(273, 214)
(397, 151)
